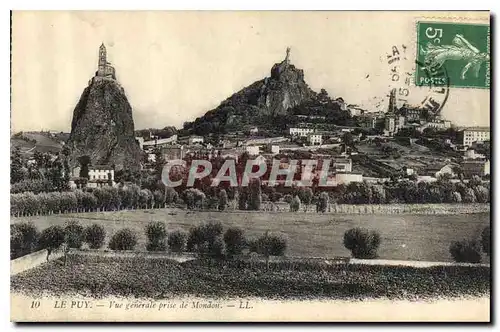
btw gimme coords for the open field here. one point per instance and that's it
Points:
(142, 277)
(44, 143)
(404, 237)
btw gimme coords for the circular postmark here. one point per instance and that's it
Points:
(429, 95)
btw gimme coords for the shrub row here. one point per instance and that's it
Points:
(25, 238)
(102, 198)
(209, 240)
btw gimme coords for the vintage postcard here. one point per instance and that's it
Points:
(250, 166)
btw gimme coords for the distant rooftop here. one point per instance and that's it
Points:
(101, 167)
(477, 128)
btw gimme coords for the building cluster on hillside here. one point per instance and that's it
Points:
(395, 119)
(320, 140)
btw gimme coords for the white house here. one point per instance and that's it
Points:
(98, 176)
(162, 142)
(253, 150)
(474, 134)
(303, 132)
(437, 170)
(275, 149)
(315, 139)
(346, 178)
(343, 165)
(195, 139)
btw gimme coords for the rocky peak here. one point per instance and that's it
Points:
(103, 128)
(286, 72)
(285, 88)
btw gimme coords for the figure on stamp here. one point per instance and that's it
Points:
(437, 55)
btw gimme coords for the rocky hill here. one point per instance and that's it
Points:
(260, 103)
(103, 127)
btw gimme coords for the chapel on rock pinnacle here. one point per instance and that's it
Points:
(104, 69)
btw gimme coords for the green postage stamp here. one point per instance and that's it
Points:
(459, 52)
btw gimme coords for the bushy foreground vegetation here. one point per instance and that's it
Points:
(161, 278)
(25, 237)
(206, 240)
(363, 243)
(209, 240)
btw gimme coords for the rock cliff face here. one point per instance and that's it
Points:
(103, 127)
(274, 95)
(285, 89)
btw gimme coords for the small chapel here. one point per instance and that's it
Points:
(104, 69)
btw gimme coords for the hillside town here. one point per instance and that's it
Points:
(280, 192)
(378, 146)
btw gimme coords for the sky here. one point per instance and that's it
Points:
(175, 66)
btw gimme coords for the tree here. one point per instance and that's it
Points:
(362, 243)
(322, 204)
(171, 195)
(94, 236)
(275, 196)
(51, 239)
(295, 204)
(466, 251)
(177, 241)
(255, 195)
(482, 194)
(271, 245)
(159, 163)
(85, 162)
(242, 196)
(156, 232)
(288, 198)
(145, 197)
(234, 240)
(223, 200)
(24, 238)
(124, 239)
(469, 196)
(205, 239)
(306, 195)
(486, 240)
(66, 170)
(475, 181)
(39, 159)
(74, 234)
(159, 198)
(456, 197)
(16, 242)
(194, 198)
(348, 140)
(378, 194)
(16, 166)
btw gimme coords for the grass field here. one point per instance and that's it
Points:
(141, 277)
(44, 143)
(404, 237)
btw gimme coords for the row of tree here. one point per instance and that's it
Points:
(412, 192)
(248, 198)
(91, 199)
